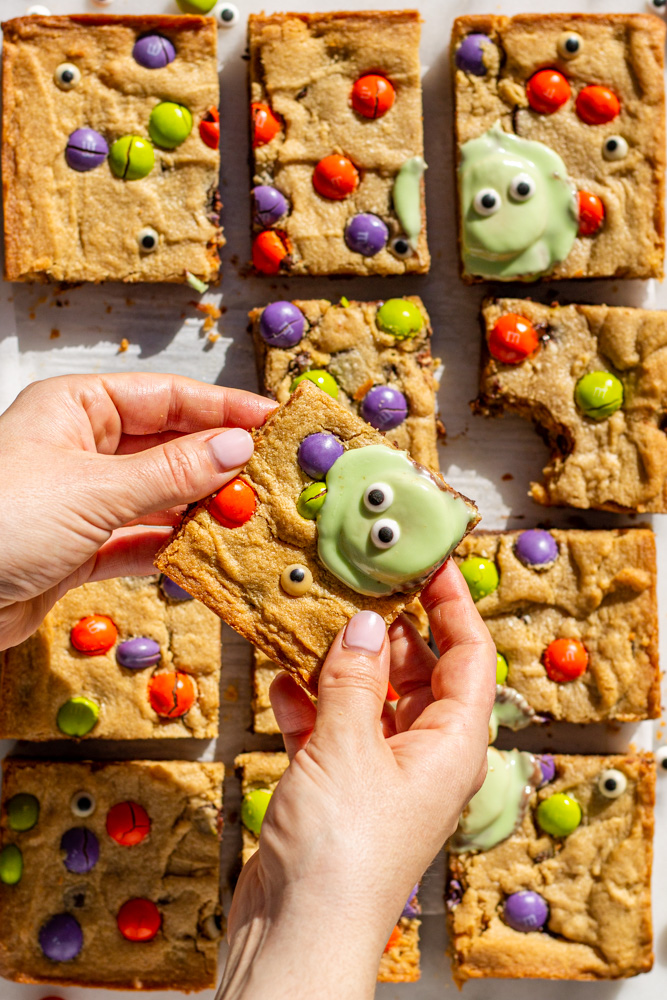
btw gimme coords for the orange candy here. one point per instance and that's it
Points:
(269, 250)
(139, 920)
(392, 693)
(513, 339)
(547, 91)
(335, 177)
(394, 938)
(209, 128)
(265, 125)
(565, 660)
(94, 635)
(172, 694)
(597, 105)
(128, 823)
(591, 213)
(373, 96)
(234, 504)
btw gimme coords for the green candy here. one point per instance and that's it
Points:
(502, 669)
(253, 809)
(11, 865)
(399, 318)
(481, 576)
(311, 500)
(196, 6)
(131, 157)
(169, 124)
(559, 815)
(22, 812)
(599, 394)
(77, 716)
(323, 380)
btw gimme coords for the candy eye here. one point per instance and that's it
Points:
(147, 240)
(400, 247)
(385, 533)
(612, 783)
(83, 804)
(522, 187)
(569, 45)
(486, 202)
(657, 6)
(67, 75)
(226, 14)
(296, 580)
(378, 497)
(661, 759)
(615, 148)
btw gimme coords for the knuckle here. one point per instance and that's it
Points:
(184, 467)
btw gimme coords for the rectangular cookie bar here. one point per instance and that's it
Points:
(560, 139)
(594, 381)
(363, 346)
(121, 659)
(589, 912)
(106, 174)
(338, 146)
(400, 961)
(114, 869)
(294, 546)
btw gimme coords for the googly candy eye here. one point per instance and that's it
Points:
(487, 202)
(615, 148)
(400, 247)
(296, 580)
(67, 75)
(147, 240)
(226, 14)
(612, 783)
(661, 759)
(569, 45)
(522, 187)
(378, 497)
(657, 6)
(83, 804)
(385, 533)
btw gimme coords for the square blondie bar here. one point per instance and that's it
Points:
(560, 136)
(110, 872)
(337, 137)
(594, 381)
(106, 174)
(120, 659)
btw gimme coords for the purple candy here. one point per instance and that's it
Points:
(270, 204)
(366, 234)
(548, 765)
(86, 149)
(470, 56)
(317, 453)
(173, 591)
(153, 51)
(82, 848)
(139, 653)
(454, 894)
(412, 907)
(536, 547)
(384, 407)
(282, 324)
(526, 911)
(61, 938)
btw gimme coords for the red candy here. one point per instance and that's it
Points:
(139, 920)
(269, 250)
(547, 91)
(565, 660)
(513, 339)
(597, 105)
(392, 693)
(234, 504)
(128, 823)
(335, 177)
(265, 125)
(94, 635)
(172, 694)
(209, 129)
(394, 938)
(373, 96)
(591, 213)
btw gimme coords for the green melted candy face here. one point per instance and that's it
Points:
(518, 207)
(386, 524)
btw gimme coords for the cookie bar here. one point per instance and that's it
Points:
(377, 354)
(337, 142)
(114, 869)
(574, 615)
(560, 137)
(260, 774)
(594, 381)
(122, 659)
(287, 552)
(568, 894)
(110, 156)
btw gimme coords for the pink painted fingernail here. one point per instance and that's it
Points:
(365, 631)
(231, 449)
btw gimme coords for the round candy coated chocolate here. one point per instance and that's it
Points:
(411, 908)
(61, 938)
(269, 252)
(296, 580)
(173, 591)
(138, 653)
(481, 576)
(547, 91)
(131, 157)
(172, 694)
(318, 452)
(470, 54)
(384, 407)
(400, 318)
(94, 635)
(311, 499)
(196, 6)
(565, 660)
(548, 768)
(153, 51)
(139, 920)
(502, 669)
(394, 938)
(209, 128)
(373, 96)
(282, 324)
(270, 204)
(234, 504)
(323, 380)
(597, 105)
(525, 911)
(335, 177)
(11, 865)
(82, 849)
(22, 812)
(591, 213)
(366, 234)
(253, 809)
(559, 815)
(86, 149)
(128, 823)
(77, 716)
(265, 125)
(512, 339)
(599, 394)
(169, 124)
(536, 547)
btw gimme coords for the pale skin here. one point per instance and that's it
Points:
(95, 471)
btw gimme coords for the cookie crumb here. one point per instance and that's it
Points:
(123, 346)
(55, 333)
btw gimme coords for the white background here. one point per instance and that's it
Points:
(165, 335)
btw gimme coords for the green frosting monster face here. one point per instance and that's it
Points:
(386, 524)
(518, 207)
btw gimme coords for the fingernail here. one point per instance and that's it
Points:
(366, 631)
(231, 449)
